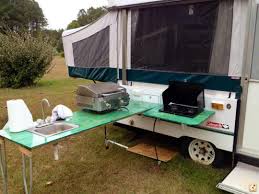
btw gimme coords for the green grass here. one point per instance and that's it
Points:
(85, 166)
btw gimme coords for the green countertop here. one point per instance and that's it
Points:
(85, 120)
(155, 113)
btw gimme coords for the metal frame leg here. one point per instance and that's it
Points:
(108, 141)
(105, 132)
(157, 157)
(3, 165)
(56, 151)
(105, 138)
(26, 154)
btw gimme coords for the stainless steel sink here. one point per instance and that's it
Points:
(53, 129)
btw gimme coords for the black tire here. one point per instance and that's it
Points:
(185, 142)
(219, 160)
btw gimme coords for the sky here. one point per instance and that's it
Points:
(60, 13)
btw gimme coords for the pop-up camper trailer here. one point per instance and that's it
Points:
(146, 44)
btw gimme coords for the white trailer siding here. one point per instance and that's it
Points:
(222, 137)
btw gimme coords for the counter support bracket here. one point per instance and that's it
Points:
(3, 165)
(26, 154)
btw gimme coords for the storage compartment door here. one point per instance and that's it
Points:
(243, 179)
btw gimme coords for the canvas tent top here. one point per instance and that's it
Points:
(189, 40)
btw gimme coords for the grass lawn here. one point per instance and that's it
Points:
(85, 166)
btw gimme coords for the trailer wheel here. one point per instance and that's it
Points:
(205, 153)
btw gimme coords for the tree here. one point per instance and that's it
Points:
(24, 59)
(21, 15)
(73, 24)
(81, 13)
(5, 9)
(87, 17)
(54, 37)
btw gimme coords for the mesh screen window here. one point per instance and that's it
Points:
(183, 37)
(93, 52)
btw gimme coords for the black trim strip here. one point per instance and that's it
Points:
(248, 160)
(234, 161)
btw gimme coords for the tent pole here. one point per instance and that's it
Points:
(124, 46)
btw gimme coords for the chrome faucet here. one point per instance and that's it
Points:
(44, 101)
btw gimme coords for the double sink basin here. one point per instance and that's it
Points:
(53, 129)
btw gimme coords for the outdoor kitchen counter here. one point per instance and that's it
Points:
(27, 141)
(84, 119)
(195, 121)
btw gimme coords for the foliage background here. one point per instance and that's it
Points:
(87, 17)
(24, 59)
(21, 15)
(27, 16)
(26, 45)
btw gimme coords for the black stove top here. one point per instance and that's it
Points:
(184, 99)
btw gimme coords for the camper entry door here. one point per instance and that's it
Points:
(249, 136)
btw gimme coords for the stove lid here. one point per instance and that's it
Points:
(184, 93)
(98, 89)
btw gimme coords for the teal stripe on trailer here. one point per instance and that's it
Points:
(99, 74)
(213, 82)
